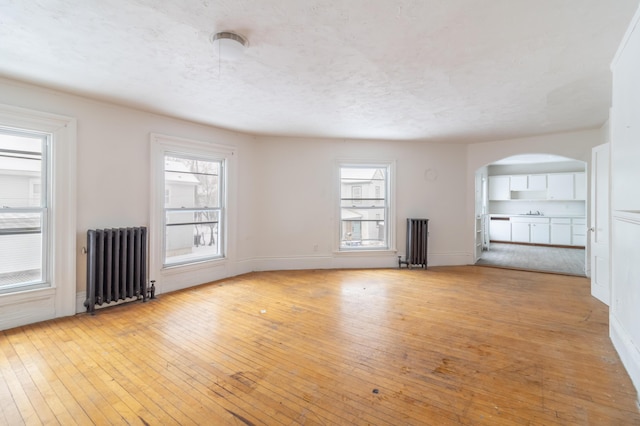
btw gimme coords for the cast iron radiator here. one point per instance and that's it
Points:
(417, 236)
(116, 266)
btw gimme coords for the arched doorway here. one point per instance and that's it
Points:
(530, 213)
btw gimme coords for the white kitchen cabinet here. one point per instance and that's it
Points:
(580, 186)
(537, 182)
(560, 233)
(499, 229)
(520, 232)
(579, 232)
(528, 182)
(519, 183)
(539, 232)
(530, 230)
(499, 188)
(560, 186)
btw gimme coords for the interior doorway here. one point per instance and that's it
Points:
(530, 213)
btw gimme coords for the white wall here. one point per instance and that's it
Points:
(297, 190)
(625, 202)
(113, 171)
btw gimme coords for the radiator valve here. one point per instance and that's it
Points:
(151, 291)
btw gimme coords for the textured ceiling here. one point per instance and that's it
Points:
(446, 70)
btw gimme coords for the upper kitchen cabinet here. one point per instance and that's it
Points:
(580, 182)
(528, 182)
(499, 188)
(528, 187)
(560, 187)
(539, 187)
(567, 186)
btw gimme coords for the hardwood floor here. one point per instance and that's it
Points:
(449, 345)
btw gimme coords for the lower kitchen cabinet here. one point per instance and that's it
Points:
(561, 231)
(530, 230)
(539, 232)
(579, 232)
(499, 229)
(561, 234)
(520, 232)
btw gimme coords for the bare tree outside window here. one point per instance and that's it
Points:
(193, 213)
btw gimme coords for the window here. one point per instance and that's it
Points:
(193, 213)
(24, 209)
(364, 207)
(356, 194)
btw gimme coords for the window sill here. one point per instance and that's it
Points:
(26, 295)
(195, 266)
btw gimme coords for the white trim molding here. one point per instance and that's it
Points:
(58, 299)
(183, 276)
(624, 326)
(629, 353)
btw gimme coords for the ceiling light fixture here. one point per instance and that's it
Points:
(229, 44)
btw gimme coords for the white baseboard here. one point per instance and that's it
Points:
(627, 350)
(291, 263)
(340, 261)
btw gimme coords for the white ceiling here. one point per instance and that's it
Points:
(445, 70)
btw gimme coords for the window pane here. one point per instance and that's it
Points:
(20, 248)
(363, 207)
(193, 203)
(191, 182)
(196, 217)
(188, 243)
(363, 233)
(20, 170)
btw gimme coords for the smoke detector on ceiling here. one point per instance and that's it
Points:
(229, 45)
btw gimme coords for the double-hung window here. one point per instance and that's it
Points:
(24, 209)
(193, 208)
(364, 206)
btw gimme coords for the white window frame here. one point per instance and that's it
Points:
(58, 298)
(162, 145)
(220, 209)
(390, 166)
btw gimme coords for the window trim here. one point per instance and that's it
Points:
(58, 299)
(390, 165)
(162, 145)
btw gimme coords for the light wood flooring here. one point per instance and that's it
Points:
(448, 345)
(560, 260)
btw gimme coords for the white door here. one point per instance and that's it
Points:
(600, 287)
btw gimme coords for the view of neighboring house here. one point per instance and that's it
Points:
(179, 191)
(363, 206)
(20, 209)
